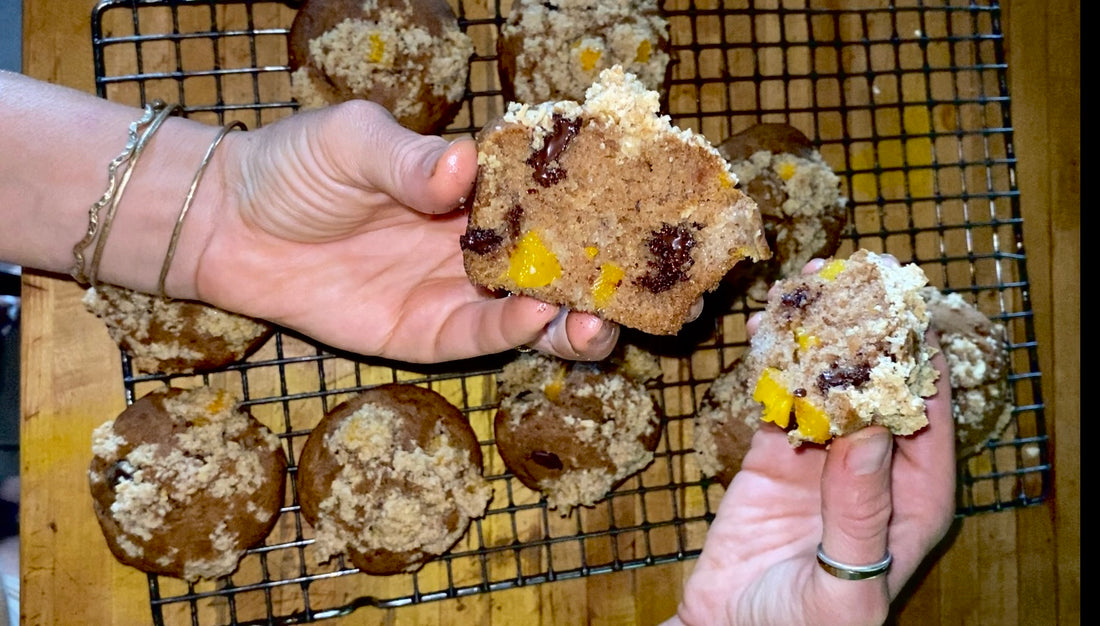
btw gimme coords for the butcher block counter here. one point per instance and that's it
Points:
(1010, 565)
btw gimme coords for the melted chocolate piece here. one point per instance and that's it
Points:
(672, 248)
(549, 460)
(480, 240)
(840, 375)
(514, 219)
(552, 148)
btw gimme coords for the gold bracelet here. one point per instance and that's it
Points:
(163, 111)
(187, 203)
(77, 272)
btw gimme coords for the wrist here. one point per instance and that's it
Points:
(152, 206)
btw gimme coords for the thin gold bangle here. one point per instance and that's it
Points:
(187, 203)
(137, 125)
(108, 219)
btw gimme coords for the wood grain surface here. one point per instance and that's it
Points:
(1020, 566)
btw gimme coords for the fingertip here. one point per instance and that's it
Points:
(591, 337)
(813, 266)
(451, 170)
(753, 323)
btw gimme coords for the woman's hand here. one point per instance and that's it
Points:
(865, 494)
(344, 226)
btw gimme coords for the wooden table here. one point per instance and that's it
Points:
(1015, 567)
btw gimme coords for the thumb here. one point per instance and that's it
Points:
(855, 499)
(424, 172)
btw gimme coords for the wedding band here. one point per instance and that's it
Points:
(844, 571)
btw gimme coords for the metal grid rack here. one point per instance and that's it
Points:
(907, 100)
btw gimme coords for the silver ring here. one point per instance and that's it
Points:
(844, 571)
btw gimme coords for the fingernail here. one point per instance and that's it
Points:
(608, 333)
(869, 454)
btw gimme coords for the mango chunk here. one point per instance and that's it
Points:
(377, 48)
(607, 283)
(786, 170)
(774, 396)
(532, 264)
(831, 269)
(589, 58)
(813, 424)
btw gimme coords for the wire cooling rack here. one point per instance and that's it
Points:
(908, 102)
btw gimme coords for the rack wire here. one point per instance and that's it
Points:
(907, 100)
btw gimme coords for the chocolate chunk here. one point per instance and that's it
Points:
(549, 460)
(480, 240)
(514, 219)
(840, 375)
(672, 248)
(796, 299)
(552, 148)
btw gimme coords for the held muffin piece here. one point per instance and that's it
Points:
(574, 430)
(727, 418)
(410, 56)
(843, 348)
(174, 336)
(606, 208)
(183, 482)
(391, 478)
(799, 199)
(977, 362)
(555, 50)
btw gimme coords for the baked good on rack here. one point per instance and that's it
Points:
(977, 362)
(391, 478)
(574, 430)
(727, 418)
(174, 336)
(183, 482)
(553, 50)
(843, 348)
(605, 207)
(799, 198)
(410, 56)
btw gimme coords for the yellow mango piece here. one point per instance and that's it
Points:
(533, 264)
(804, 340)
(589, 59)
(813, 424)
(377, 48)
(591, 251)
(785, 170)
(607, 283)
(552, 390)
(644, 50)
(831, 269)
(774, 396)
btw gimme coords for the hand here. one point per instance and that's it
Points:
(343, 225)
(867, 492)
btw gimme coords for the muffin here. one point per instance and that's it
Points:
(843, 348)
(555, 50)
(174, 336)
(574, 430)
(977, 362)
(391, 478)
(727, 419)
(410, 56)
(183, 482)
(799, 198)
(670, 221)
